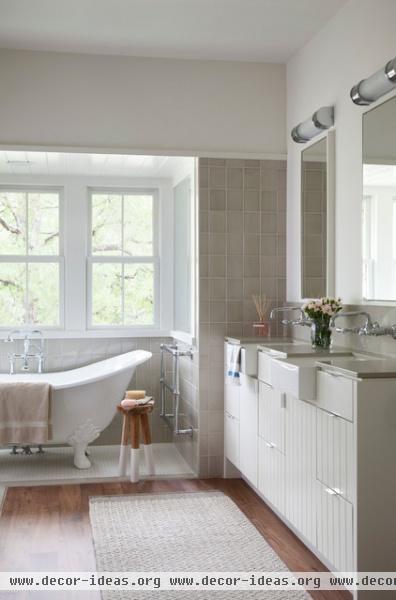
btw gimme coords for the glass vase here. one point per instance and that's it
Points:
(261, 328)
(320, 335)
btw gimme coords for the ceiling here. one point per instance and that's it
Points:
(245, 30)
(64, 163)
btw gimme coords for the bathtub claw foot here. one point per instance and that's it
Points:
(83, 435)
(81, 460)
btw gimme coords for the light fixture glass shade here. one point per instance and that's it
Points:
(369, 90)
(322, 119)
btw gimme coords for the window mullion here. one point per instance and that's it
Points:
(26, 258)
(123, 293)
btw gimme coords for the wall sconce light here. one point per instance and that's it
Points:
(321, 119)
(369, 90)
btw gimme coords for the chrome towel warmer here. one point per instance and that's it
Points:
(172, 419)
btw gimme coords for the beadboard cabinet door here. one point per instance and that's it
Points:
(272, 416)
(231, 438)
(248, 428)
(336, 454)
(271, 480)
(335, 528)
(301, 493)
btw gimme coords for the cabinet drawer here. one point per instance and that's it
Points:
(272, 415)
(335, 529)
(335, 465)
(231, 439)
(264, 367)
(271, 478)
(335, 394)
(231, 398)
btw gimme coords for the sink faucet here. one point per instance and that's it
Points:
(360, 330)
(302, 320)
(30, 350)
(369, 327)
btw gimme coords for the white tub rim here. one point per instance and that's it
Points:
(91, 373)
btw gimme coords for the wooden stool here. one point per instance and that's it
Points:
(132, 419)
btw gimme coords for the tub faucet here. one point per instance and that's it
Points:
(30, 350)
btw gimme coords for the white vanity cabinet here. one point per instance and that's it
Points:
(326, 465)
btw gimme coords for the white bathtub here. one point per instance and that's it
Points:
(85, 399)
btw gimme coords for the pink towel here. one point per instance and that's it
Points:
(25, 413)
(129, 403)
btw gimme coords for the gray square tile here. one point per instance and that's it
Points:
(217, 221)
(203, 177)
(235, 289)
(235, 179)
(252, 179)
(268, 223)
(252, 200)
(234, 243)
(234, 221)
(268, 201)
(217, 199)
(217, 265)
(234, 199)
(217, 177)
(218, 243)
(252, 222)
(235, 266)
(251, 266)
(252, 243)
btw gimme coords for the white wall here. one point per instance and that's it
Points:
(359, 40)
(144, 105)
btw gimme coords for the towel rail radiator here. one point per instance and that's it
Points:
(173, 418)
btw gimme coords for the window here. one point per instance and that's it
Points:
(30, 260)
(123, 261)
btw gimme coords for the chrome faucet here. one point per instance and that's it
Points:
(369, 327)
(302, 320)
(30, 350)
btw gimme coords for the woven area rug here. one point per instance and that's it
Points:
(202, 531)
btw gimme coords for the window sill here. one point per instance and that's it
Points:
(52, 334)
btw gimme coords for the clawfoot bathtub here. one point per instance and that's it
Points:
(84, 399)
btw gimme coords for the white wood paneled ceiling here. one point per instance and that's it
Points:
(64, 163)
(246, 30)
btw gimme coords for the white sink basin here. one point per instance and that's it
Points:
(295, 376)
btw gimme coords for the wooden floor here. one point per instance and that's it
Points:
(47, 528)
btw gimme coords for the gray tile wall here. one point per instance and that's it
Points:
(242, 214)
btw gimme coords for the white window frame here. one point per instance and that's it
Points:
(45, 258)
(153, 259)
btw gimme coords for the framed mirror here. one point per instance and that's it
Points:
(317, 218)
(379, 203)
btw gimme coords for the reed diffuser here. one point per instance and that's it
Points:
(262, 304)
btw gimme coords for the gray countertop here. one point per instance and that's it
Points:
(255, 340)
(301, 349)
